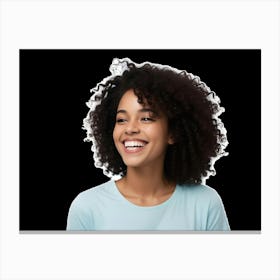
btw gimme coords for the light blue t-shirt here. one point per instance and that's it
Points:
(196, 207)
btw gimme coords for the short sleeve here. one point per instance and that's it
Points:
(78, 218)
(217, 218)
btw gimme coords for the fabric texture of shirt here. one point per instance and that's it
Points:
(191, 207)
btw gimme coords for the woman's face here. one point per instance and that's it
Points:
(140, 135)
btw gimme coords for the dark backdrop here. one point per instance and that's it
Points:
(55, 163)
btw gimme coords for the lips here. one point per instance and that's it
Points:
(134, 145)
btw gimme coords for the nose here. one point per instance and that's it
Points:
(132, 128)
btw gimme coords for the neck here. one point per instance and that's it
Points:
(145, 182)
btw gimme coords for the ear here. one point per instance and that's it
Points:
(170, 140)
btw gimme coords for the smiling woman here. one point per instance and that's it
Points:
(140, 136)
(156, 132)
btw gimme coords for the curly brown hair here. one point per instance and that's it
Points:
(192, 110)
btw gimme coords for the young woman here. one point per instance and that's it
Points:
(158, 129)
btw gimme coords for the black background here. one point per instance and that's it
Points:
(56, 164)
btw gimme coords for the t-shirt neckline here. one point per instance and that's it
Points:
(157, 206)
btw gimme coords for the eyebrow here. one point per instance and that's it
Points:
(144, 110)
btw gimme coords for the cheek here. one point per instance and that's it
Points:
(159, 133)
(116, 135)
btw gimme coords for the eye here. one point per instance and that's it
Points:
(147, 119)
(120, 120)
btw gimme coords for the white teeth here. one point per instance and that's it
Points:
(134, 144)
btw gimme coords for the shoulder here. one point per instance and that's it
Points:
(203, 193)
(197, 189)
(82, 209)
(207, 204)
(85, 198)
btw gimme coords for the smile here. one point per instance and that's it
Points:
(134, 145)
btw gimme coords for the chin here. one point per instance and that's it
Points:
(130, 163)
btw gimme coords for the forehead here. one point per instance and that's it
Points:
(130, 104)
(131, 101)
